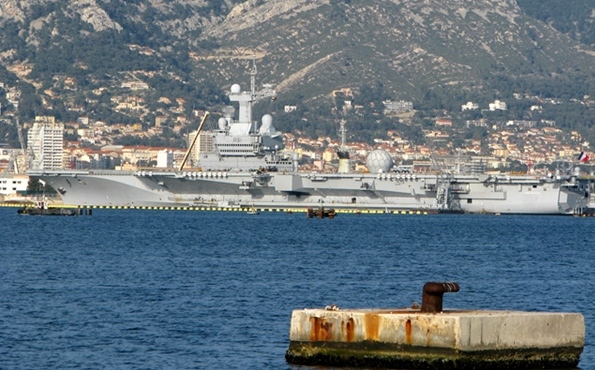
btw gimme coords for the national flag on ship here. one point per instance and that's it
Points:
(583, 157)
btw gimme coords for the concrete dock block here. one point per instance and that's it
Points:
(455, 339)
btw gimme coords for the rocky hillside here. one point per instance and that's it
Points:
(410, 46)
(480, 49)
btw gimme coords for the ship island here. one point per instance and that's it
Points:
(245, 166)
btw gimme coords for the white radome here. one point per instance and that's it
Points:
(267, 125)
(379, 161)
(222, 123)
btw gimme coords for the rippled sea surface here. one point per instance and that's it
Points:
(132, 289)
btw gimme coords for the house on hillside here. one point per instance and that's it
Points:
(497, 105)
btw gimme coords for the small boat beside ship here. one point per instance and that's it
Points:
(246, 166)
(40, 208)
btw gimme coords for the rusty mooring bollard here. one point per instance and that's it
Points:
(431, 300)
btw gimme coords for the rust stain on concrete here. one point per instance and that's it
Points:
(350, 330)
(321, 330)
(372, 325)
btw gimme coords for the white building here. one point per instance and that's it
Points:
(165, 159)
(11, 185)
(497, 105)
(45, 141)
(135, 85)
(83, 121)
(520, 123)
(469, 106)
(400, 106)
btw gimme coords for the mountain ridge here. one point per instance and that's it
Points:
(414, 51)
(408, 38)
(454, 50)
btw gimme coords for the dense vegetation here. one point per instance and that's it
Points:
(574, 18)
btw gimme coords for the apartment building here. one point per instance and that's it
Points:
(45, 142)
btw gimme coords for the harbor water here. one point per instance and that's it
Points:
(146, 289)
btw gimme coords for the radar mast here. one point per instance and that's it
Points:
(253, 73)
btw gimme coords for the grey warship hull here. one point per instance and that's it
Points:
(465, 193)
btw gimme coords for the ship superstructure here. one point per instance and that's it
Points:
(240, 144)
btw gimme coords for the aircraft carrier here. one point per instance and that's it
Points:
(247, 167)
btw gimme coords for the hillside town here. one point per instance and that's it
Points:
(529, 145)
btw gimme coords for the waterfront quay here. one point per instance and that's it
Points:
(428, 337)
(232, 209)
